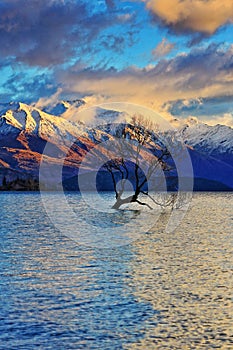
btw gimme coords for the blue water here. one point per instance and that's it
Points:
(162, 291)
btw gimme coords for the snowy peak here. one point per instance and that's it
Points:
(30, 120)
(210, 139)
(20, 117)
(60, 107)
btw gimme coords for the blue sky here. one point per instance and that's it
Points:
(171, 55)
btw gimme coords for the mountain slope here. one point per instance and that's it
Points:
(215, 141)
(60, 107)
(26, 130)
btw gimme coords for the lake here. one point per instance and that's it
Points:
(159, 290)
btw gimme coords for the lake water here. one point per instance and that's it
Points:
(161, 291)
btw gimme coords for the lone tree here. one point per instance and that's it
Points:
(142, 158)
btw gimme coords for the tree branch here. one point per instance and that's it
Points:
(142, 203)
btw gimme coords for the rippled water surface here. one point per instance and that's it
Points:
(161, 291)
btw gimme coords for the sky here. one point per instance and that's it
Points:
(174, 56)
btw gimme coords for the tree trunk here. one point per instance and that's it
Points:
(120, 201)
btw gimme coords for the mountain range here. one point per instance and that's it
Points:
(25, 130)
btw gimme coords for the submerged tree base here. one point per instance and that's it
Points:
(164, 201)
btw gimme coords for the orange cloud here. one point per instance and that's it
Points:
(204, 72)
(163, 48)
(192, 15)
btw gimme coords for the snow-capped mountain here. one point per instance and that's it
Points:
(215, 141)
(25, 130)
(211, 140)
(24, 118)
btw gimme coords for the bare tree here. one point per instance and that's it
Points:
(141, 154)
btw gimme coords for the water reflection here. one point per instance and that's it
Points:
(187, 277)
(163, 291)
(56, 294)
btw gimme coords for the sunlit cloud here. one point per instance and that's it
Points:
(203, 73)
(163, 48)
(183, 16)
(224, 119)
(50, 100)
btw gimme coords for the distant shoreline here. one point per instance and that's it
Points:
(75, 191)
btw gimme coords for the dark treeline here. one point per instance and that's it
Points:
(18, 184)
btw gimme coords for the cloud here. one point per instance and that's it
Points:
(48, 101)
(163, 48)
(204, 72)
(225, 119)
(25, 85)
(114, 43)
(48, 32)
(191, 16)
(206, 107)
(118, 43)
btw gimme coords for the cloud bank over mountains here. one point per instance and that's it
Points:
(203, 73)
(163, 54)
